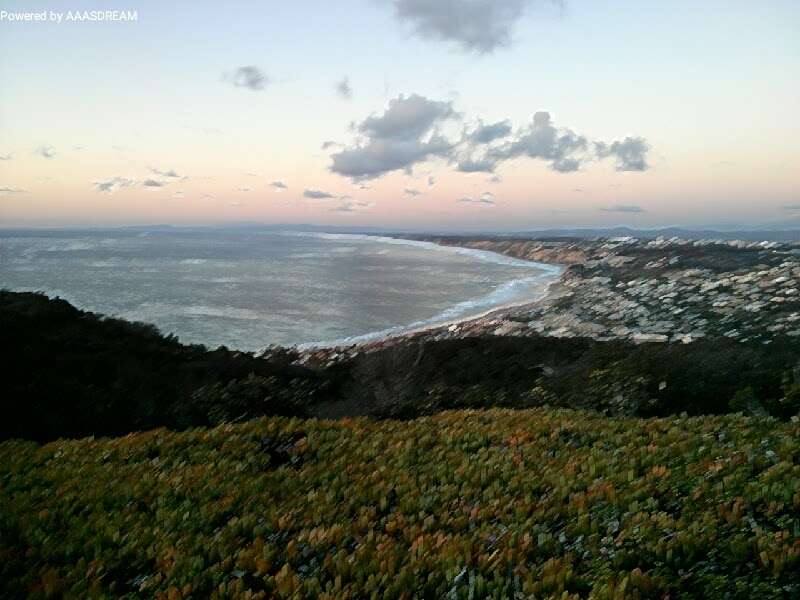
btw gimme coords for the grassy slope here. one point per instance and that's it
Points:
(462, 504)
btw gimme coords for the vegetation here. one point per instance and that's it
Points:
(614, 377)
(542, 503)
(70, 373)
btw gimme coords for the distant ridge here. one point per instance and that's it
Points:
(783, 235)
(787, 235)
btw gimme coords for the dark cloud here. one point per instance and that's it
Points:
(154, 183)
(407, 118)
(563, 148)
(412, 192)
(46, 151)
(279, 185)
(405, 134)
(630, 153)
(485, 198)
(431, 180)
(250, 77)
(495, 179)
(317, 194)
(624, 208)
(792, 207)
(409, 132)
(343, 88)
(479, 26)
(485, 134)
(329, 144)
(113, 184)
(472, 165)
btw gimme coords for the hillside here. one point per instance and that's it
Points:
(491, 504)
(71, 373)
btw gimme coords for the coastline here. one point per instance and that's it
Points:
(492, 321)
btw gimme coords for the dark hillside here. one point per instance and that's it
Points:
(70, 373)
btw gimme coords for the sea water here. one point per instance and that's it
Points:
(246, 289)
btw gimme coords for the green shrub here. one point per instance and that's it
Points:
(540, 503)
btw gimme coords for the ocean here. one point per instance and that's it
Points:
(247, 289)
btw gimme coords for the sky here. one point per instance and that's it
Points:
(440, 114)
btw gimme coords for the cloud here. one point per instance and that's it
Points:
(412, 192)
(317, 194)
(792, 207)
(5, 191)
(171, 173)
(8, 156)
(327, 145)
(404, 135)
(350, 205)
(409, 132)
(484, 134)
(154, 183)
(46, 151)
(630, 153)
(563, 148)
(278, 185)
(624, 208)
(472, 165)
(479, 26)
(486, 198)
(250, 77)
(343, 88)
(495, 179)
(431, 181)
(178, 194)
(109, 186)
(244, 188)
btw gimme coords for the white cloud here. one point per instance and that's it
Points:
(5, 191)
(486, 199)
(46, 151)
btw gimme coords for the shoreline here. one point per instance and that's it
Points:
(483, 323)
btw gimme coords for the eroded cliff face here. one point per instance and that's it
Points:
(552, 253)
